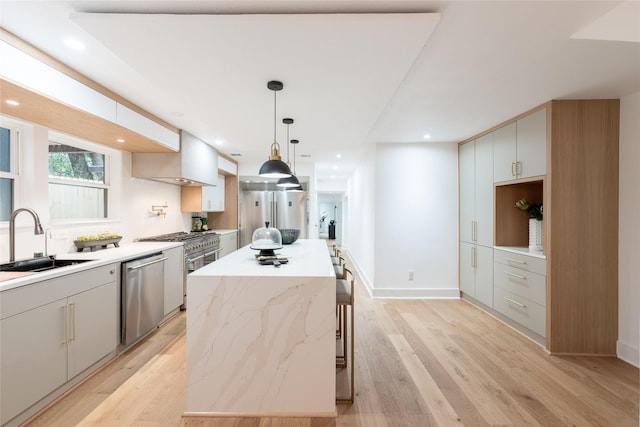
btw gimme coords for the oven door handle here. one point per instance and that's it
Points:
(212, 252)
(195, 259)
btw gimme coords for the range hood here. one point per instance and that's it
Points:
(195, 164)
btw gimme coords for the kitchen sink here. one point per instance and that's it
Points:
(40, 264)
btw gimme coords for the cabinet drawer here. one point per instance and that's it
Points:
(527, 284)
(521, 261)
(525, 312)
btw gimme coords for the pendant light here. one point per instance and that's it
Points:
(291, 181)
(299, 188)
(274, 167)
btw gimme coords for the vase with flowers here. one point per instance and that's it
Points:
(535, 212)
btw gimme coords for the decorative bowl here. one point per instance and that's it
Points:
(289, 235)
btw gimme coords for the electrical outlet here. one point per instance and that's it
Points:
(410, 274)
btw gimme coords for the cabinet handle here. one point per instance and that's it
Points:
(66, 323)
(73, 337)
(473, 257)
(515, 302)
(112, 271)
(515, 275)
(475, 231)
(518, 168)
(514, 171)
(517, 261)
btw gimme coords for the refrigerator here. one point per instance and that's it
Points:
(283, 210)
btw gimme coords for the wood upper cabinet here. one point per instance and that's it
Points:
(520, 148)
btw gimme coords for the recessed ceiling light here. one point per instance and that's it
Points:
(12, 102)
(335, 167)
(333, 177)
(338, 156)
(120, 140)
(74, 44)
(427, 136)
(219, 142)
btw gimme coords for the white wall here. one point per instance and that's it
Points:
(130, 209)
(402, 216)
(629, 235)
(360, 237)
(416, 220)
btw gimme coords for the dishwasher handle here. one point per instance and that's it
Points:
(136, 267)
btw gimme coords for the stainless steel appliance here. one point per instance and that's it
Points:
(200, 249)
(282, 209)
(142, 297)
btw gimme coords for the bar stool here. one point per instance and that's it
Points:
(344, 299)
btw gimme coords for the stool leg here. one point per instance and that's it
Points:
(353, 352)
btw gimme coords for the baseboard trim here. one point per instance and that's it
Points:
(628, 353)
(416, 293)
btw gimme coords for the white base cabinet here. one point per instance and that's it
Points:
(476, 272)
(52, 331)
(228, 243)
(173, 279)
(520, 289)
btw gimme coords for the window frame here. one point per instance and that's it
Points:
(59, 138)
(16, 130)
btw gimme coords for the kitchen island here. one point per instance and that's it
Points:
(261, 339)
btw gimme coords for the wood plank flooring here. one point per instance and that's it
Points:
(419, 363)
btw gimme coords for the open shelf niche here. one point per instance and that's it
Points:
(511, 223)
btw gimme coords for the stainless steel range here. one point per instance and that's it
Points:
(200, 249)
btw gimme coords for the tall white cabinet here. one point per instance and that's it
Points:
(476, 219)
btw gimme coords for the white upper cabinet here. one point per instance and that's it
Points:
(532, 144)
(520, 148)
(227, 166)
(476, 191)
(26, 71)
(504, 153)
(484, 190)
(467, 191)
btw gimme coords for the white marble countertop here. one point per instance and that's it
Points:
(307, 258)
(522, 251)
(98, 258)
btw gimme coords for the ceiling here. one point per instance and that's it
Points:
(354, 72)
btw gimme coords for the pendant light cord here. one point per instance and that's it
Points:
(288, 162)
(274, 116)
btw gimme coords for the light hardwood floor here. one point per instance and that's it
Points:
(418, 363)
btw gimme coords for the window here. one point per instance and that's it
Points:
(7, 172)
(78, 183)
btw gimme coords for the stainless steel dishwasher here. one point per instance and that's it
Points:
(142, 297)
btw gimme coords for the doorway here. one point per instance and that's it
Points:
(330, 216)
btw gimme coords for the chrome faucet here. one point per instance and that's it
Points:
(12, 229)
